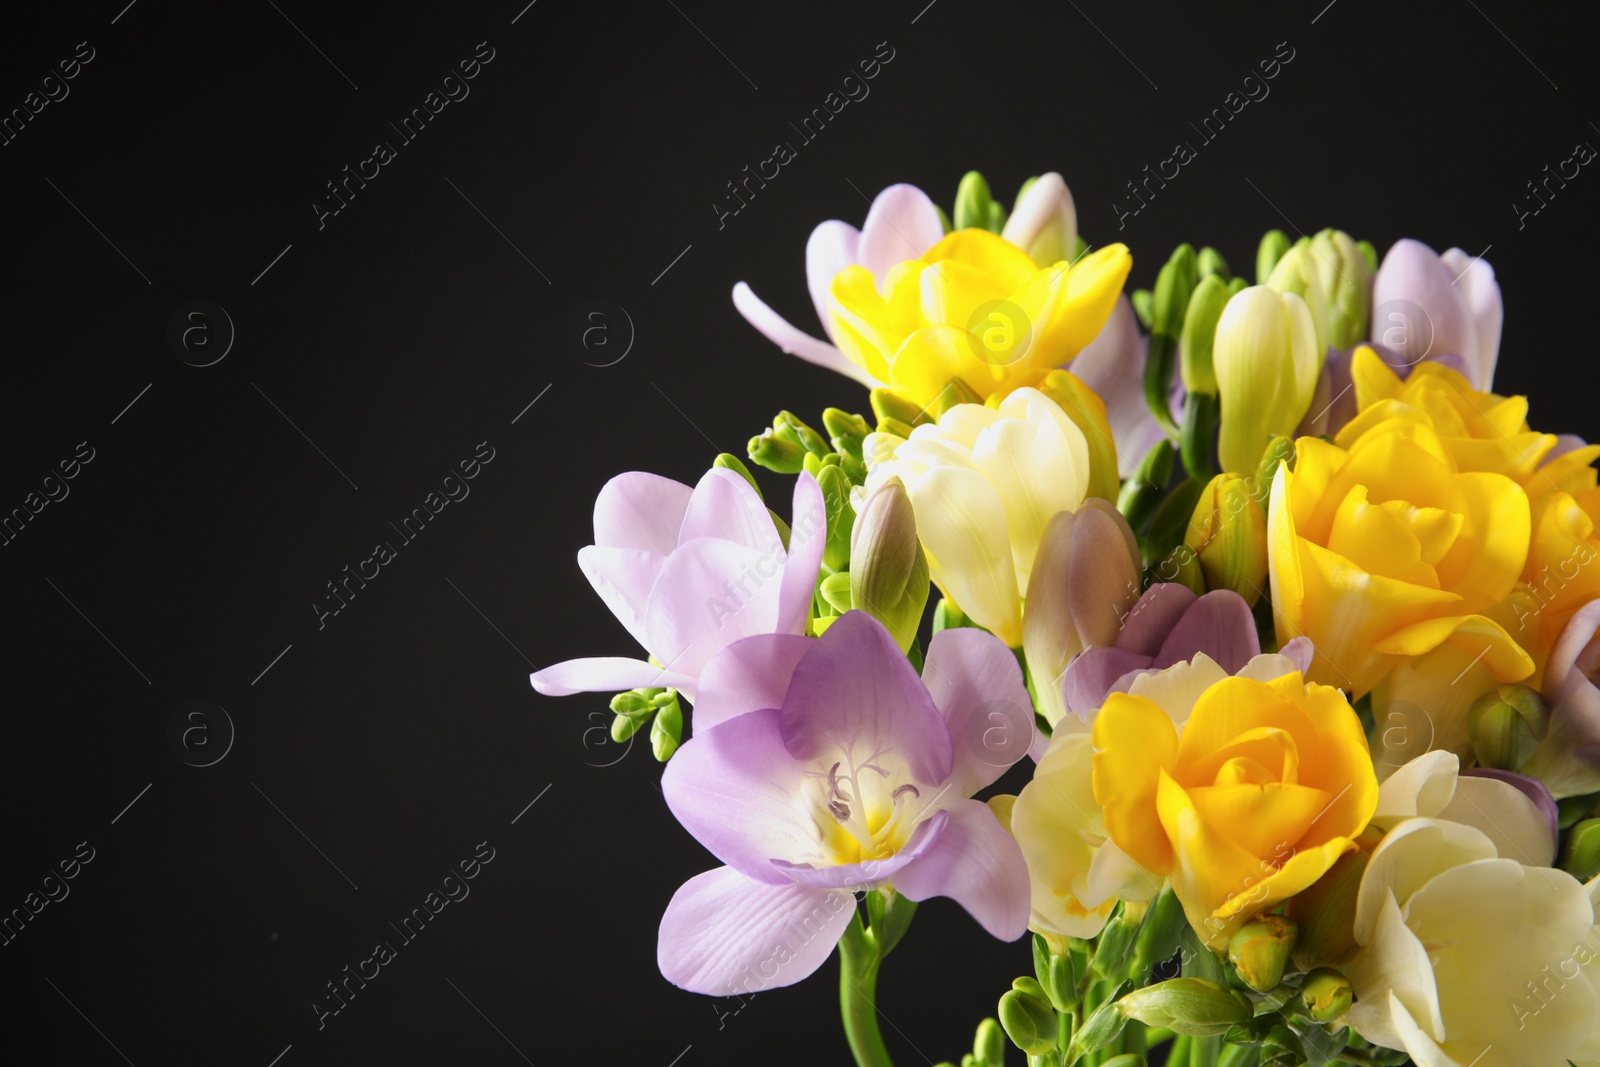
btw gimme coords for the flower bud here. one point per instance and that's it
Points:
(1267, 359)
(1582, 856)
(1194, 1006)
(835, 486)
(974, 204)
(890, 406)
(1103, 1025)
(1159, 934)
(888, 571)
(667, 730)
(1028, 1017)
(1115, 940)
(1229, 534)
(1327, 994)
(811, 439)
(1045, 221)
(835, 589)
(1127, 1059)
(1274, 243)
(989, 1044)
(1506, 724)
(1347, 281)
(728, 461)
(1260, 950)
(777, 452)
(1210, 262)
(1200, 332)
(1279, 450)
(1326, 910)
(1299, 272)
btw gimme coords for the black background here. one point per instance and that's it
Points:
(411, 327)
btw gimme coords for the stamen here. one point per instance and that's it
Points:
(839, 811)
(894, 797)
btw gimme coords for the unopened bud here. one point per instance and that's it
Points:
(1260, 950)
(1210, 262)
(1299, 272)
(835, 486)
(777, 452)
(989, 1044)
(888, 571)
(1506, 724)
(1199, 333)
(1028, 1017)
(1194, 1006)
(1347, 281)
(1582, 856)
(973, 208)
(1327, 994)
(1228, 533)
(729, 461)
(1274, 243)
(889, 405)
(667, 730)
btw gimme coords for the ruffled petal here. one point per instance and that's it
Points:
(976, 864)
(640, 510)
(977, 686)
(748, 675)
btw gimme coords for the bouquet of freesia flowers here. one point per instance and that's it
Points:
(1294, 619)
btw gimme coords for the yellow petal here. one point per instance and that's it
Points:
(1135, 742)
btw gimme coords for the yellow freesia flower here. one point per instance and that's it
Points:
(976, 308)
(1267, 784)
(1385, 550)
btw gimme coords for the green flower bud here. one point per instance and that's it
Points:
(1237, 285)
(667, 731)
(972, 202)
(1116, 939)
(835, 486)
(946, 616)
(889, 405)
(1127, 1059)
(1347, 280)
(1506, 724)
(1158, 936)
(1174, 285)
(1199, 333)
(1102, 1026)
(955, 392)
(776, 453)
(1299, 272)
(845, 431)
(811, 439)
(1143, 302)
(1370, 254)
(1143, 493)
(729, 461)
(1582, 856)
(1326, 910)
(1327, 994)
(1279, 450)
(944, 220)
(1210, 263)
(835, 590)
(888, 571)
(1193, 1006)
(1028, 1017)
(1228, 532)
(989, 1044)
(1267, 359)
(1182, 566)
(1274, 243)
(1260, 950)
(1572, 810)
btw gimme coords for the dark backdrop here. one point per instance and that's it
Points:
(381, 346)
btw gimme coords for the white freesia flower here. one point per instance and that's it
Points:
(984, 481)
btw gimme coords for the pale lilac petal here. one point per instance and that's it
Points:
(808, 536)
(1576, 647)
(1047, 203)
(1418, 312)
(794, 341)
(830, 249)
(1218, 624)
(1093, 676)
(623, 577)
(1154, 616)
(902, 224)
(698, 606)
(725, 505)
(855, 688)
(724, 935)
(1531, 788)
(748, 675)
(640, 510)
(976, 684)
(606, 674)
(870, 873)
(1113, 366)
(1299, 651)
(740, 793)
(978, 865)
(1334, 404)
(1565, 442)
(1475, 277)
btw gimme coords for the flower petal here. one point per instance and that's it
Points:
(748, 675)
(697, 607)
(1218, 624)
(606, 674)
(640, 510)
(1521, 828)
(725, 506)
(808, 536)
(623, 578)
(902, 224)
(977, 686)
(868, 874)
(794, 341)
(831, 248)
(976, 864)
(724, 935)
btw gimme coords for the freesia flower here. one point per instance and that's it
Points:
(1426, 306)
(1470, 958)
(1265, 785)
(1267, 360)
(1078, 873)
(901, 224)
(1515, 812)
(690, 571)
(1567, 760)
(1084, 582)
(984, 481)
(824, 766)
(1385, 550)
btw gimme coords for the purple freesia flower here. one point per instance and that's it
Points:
(822, 767)
(689, 572)
(1568, 758)
(1168, 625)
(1428, 306)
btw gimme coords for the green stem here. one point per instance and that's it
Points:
(859, 961)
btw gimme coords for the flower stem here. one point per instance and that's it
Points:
(859, 960)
